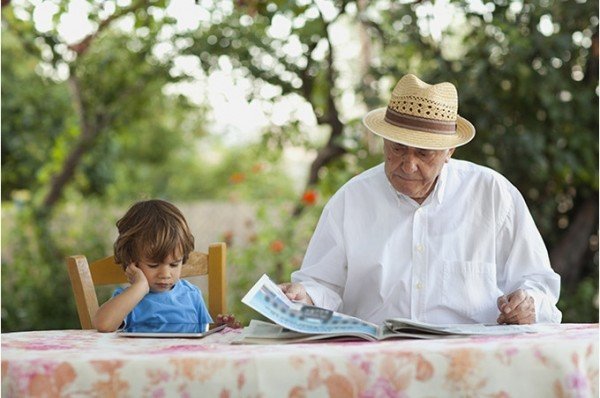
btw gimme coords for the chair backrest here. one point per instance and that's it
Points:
(86, 276)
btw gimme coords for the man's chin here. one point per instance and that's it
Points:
(411, 193)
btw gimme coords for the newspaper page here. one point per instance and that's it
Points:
(268, 299)
(477, 329)
(260, 332)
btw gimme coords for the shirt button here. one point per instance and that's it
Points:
(420, 248)
(419, 286)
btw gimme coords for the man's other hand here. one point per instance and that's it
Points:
(517, 308)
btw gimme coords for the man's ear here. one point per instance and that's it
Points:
(449, 155)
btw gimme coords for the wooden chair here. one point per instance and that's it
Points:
(85, 277)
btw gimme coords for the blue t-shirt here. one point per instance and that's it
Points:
(182, 304)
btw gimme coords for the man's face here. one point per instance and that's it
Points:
(413, 171)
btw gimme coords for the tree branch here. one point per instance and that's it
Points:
(81, 47)
(89, 129)
(332, 150)
(88, 133)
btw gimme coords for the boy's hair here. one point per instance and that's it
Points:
(152, 230)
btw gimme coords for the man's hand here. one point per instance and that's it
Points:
(517, 307)
(296, 292)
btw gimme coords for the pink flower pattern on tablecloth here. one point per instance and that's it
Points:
(87, 363)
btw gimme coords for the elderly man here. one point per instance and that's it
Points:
(425, 236)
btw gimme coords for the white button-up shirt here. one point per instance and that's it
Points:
(378, 254)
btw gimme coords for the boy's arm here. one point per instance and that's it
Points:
(110, 315)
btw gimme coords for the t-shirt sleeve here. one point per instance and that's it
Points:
(118, 291)
(203, 315)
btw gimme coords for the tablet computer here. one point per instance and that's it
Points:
(177, 330)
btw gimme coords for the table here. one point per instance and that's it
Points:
(562, 362)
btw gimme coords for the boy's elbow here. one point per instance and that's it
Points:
(103, 326)
(105, 329)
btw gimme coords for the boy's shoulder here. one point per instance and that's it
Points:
(187, 285)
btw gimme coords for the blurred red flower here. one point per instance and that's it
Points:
(276, 246)
(309, 197)
(236, 178)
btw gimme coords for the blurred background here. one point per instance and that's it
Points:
(246, 114)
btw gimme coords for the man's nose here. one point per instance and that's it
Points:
(409, 162)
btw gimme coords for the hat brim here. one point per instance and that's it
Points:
(375, 122)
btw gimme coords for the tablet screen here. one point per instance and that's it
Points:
(168, 330)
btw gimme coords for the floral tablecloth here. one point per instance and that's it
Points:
(78, 363)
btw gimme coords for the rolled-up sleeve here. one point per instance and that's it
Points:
(523, 262)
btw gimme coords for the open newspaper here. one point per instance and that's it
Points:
(297, 322)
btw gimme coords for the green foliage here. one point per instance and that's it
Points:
(582, 304)
(35, 111)
(277, 249)
(35, 284)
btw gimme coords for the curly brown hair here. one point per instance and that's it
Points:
(152, 230)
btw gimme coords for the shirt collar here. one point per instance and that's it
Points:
(440, 185)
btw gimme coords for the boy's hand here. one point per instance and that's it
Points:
(136, 276)
(229, 320)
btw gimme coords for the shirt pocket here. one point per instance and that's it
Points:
(469, 288)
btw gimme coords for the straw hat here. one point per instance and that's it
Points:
(421, 115)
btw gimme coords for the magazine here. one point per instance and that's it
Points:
(296, 322)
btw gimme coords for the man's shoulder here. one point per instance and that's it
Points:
(375, 174)
(363, 185)
(481, 180)
(470, 170)
(369, 182)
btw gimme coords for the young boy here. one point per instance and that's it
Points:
(154, 242)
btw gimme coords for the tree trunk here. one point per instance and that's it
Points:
(332, 150)
(567, 257)
(86, 137)
(90, 125)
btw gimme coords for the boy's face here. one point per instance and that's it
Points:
(162, 276)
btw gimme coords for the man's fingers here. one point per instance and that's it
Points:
(501, 303)
(284, 287)
(522, 313)
(291, 290)
(514, 300)
(295, 292)
(517, 307)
